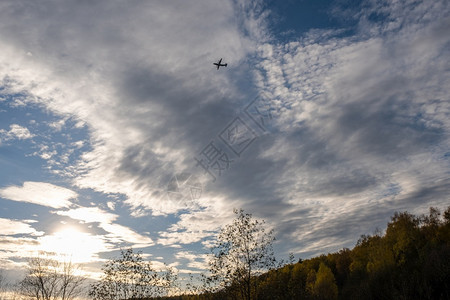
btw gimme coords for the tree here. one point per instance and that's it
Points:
(130, 277)
(325, 285)
(48, 279)
(243, 250)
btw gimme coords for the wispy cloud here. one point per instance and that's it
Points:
(119, 234)
(88, 215)
(13, 227)
(40, 193)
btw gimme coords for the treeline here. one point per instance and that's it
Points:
(410, 261)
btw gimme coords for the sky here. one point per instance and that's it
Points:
(116, 129)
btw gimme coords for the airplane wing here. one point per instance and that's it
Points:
(218, 64)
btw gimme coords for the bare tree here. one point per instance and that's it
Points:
(49, 279)
(243, 250)
(130, 277)
(3, 284)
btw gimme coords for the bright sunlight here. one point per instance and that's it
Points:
(73, 244)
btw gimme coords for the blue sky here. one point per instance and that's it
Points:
(330, 116)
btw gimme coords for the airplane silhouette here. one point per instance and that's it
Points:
(219, 64)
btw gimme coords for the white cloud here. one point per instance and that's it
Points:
(57, 125)
(119, 233)
(89, 215)
(20, 132)
(40, 193)
(78, 144)
(16, 132)
(195, 260)
(111, 205)
(13, 227)
(197, 225)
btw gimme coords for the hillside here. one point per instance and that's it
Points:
(411, 260)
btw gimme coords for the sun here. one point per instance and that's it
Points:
(70, 243)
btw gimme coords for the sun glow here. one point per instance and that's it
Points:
(69, 243)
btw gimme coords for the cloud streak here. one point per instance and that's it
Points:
(12, 227)
(41, 193)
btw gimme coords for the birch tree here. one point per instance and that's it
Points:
(243, 251)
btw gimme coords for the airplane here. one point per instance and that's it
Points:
(219, 64)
